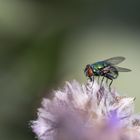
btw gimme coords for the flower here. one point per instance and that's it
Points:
(87, 112)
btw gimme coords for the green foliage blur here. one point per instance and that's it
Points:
(45, 43)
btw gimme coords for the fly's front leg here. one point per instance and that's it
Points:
(92, 80)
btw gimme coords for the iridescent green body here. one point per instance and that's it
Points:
(98, 67)
(106, 68)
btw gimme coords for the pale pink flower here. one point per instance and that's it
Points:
(86, 112)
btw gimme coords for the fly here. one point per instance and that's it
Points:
(106, 68)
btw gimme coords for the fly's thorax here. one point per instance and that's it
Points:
(97, 67)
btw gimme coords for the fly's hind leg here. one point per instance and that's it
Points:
(110, 77)
(110, 84)
(106, 81)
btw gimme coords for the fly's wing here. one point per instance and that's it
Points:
(120, 69)
(115, 60)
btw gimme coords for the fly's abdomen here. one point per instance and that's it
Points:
(112, 74)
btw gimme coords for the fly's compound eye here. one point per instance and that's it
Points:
(86, 69)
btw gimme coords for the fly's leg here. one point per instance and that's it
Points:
(98, 79)
(106, 81)
(110, 84)
(102, 81)
(91, 80)
(110, 77)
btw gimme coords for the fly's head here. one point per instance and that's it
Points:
(89, 71)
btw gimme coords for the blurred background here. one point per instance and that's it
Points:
(45, 43)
